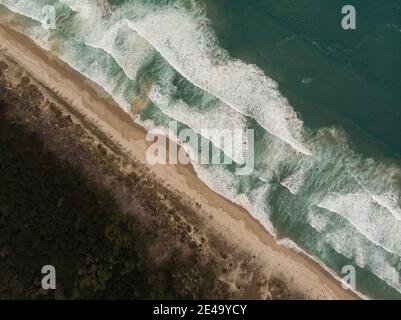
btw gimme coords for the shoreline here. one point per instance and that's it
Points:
(228, 218)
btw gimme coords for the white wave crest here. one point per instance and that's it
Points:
(188, 48)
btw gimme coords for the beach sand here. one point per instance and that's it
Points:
(258, 262)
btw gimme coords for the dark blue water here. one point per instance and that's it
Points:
(351, 78)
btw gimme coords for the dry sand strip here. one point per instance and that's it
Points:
(228, 220)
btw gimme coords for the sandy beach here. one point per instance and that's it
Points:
(226, 225)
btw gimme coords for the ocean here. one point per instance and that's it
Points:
(324, 104)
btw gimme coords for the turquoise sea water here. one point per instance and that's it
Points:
(324, 104)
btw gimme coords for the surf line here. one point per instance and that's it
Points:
(198, 150)
(296, 145)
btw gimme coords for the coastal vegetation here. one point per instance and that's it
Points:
(66, 202)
